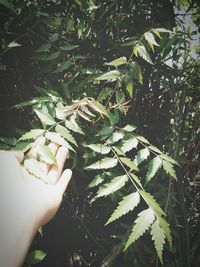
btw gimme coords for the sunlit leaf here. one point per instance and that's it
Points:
(105, 163)
(117, 62)
(129, 144)
(128, 203)
(58, 139)
(141, 156)
(129, 163)
(153, 167)
(142, 224)
(111, 187)
(110, 76)
(168, 167)
(64, 132)
(33, 134)
(99, 148)
(44, 117)
(158, 237)
(45, 154)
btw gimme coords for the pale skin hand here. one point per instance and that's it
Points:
(27, 203)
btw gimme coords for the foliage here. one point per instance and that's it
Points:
(107, 79)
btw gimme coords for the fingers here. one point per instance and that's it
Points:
(33, 151)
(56, 170)
(63, 181)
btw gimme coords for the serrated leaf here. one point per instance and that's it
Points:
(63, 66)
(169, 159)
(142, 52)
(45, 118)
(142, 139)
(32, 134)
(35, 257)
(168, 167)
(66, 134)
(141, 156)
(96, 181)
(117, 62)
(158, 237)
(136, 179)
(110, 76)
(115, 137)
(129, 144)
(105, 163)
(153, 167)
(111, 187)
(34, 168)
(152, 202)
(128, 203)
(129, 128)
(99, 148)
(155, 149)
(165, 227)
(142, 224)
(129, 89)
(118, 150)
(73, 126)
(46, 154)
(129, 163)
(58, 139)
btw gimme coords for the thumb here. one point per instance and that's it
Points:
(63, 181)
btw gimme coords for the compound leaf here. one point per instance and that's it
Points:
(168, 167)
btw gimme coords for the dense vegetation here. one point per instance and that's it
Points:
(117, 82)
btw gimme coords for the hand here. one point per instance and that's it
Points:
(27, 203)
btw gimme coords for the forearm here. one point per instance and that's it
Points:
(16, 236)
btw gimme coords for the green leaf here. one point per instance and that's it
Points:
(35, 257)
(168, 167)
(47, 57)
(142, 52)
(142, 139)
(128, 203)
(129, 89)
(155, 149)
(106, 131)
(58, 139)
(66, 134)
(129, 163)
(45, 117)
(34, 168)
(23, 146)
(105, 163)
(165, 227)
(44, 48)
(46, 154)
(129, 144)
(136, 179)
(69, 47)
(115, 137)
(141, 156)
(110, 76)
(129, 128)
(53, 37)
(169, 159)
(8, 140)
(142, 224)
(63, 66)
(73, 126)
(152, 202)
(33, 134)
(117, 62)
(99, 148)
(7, 4)
(153, 167)
(158, 237)
(96, 181)
(111, 187)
